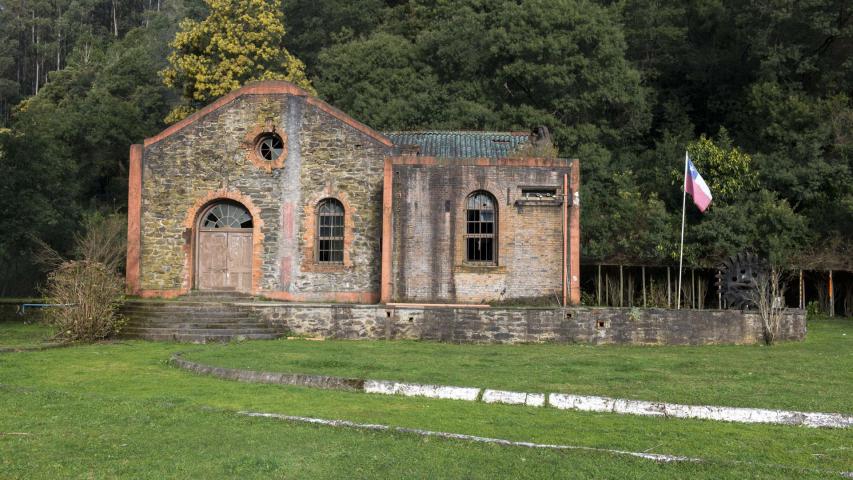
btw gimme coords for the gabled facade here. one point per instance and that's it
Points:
(273, 192)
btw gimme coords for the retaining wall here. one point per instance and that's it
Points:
(528, 325)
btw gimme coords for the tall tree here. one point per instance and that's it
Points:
(239, 41)
(502, 64)
(315, 25)
(67, 150)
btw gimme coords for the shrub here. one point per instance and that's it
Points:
(768, 297)
(90, 288)
(91, 294)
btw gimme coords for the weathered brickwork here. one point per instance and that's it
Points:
(213, 156)
(208, 159)
(529, 325)
(429, 216)
(341, 163)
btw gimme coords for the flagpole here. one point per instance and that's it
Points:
(683, 215)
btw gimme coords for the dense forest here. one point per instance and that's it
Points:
(758, 91)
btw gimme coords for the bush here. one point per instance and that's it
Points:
(91, 293)
(90, 288)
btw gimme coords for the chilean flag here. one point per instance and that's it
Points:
(696, 187)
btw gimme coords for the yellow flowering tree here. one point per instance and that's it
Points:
(239, 41)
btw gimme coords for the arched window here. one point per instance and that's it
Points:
(481, 221)
(227, 215)
(330, 231)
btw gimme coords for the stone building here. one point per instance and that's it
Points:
(273, 192)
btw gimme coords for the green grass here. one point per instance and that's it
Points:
(15, 333)
(814, 375)
(119, 410)
(155, 439)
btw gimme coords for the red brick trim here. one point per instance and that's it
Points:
(565, 243)
(482, 162)
(168, 293)
(134, 218)
(250, 145)
(268, 88)
(386, 285)
(309, 235)
(191, 224)
(333, 297)
(575, 234)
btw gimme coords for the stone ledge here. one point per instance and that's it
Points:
(251, 376)
(560, 401)
(34, 348)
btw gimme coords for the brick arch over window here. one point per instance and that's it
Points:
(481, 228)
(192, 220)
(311, 233)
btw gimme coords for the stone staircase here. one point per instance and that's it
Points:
(199, 317)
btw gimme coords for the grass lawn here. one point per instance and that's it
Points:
(15, 333)
(119, 410)
(815, 375)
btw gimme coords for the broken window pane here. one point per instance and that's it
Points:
(270, 147)
(480, 217)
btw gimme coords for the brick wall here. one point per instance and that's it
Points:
(206, 158)
(531, 325)
(428, 230)
(210, 156)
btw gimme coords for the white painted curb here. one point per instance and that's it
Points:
(514, 398)
(703, 412)
(562, 401)
(417, 390)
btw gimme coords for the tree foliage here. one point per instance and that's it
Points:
(728, 169)
(758, 92)
(237, 42)
(66, 151)
(501, 64)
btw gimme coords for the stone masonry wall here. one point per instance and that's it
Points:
(428, 231)
(208, 159)
(528, 325)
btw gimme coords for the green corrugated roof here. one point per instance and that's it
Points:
(461, 144)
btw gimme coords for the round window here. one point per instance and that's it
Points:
(270, 147)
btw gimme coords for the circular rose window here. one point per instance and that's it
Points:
(270, 147)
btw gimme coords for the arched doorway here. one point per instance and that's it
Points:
(224, 240)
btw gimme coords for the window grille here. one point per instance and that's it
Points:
(330, 231)
(227, 215)
(270, 147)
(481, 221)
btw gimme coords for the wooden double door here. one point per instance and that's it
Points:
(225, 259)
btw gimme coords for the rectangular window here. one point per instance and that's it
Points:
(538, 193)
(330, 232)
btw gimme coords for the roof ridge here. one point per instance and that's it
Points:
(268, 87)
(492, 132)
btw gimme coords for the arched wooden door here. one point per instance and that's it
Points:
(224, 259)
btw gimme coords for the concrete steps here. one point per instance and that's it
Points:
(199, 317)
